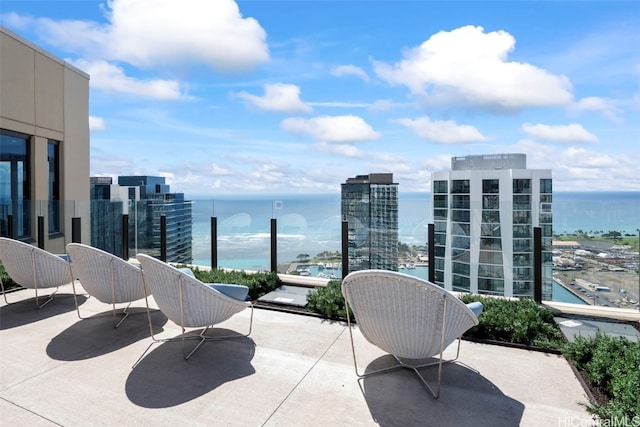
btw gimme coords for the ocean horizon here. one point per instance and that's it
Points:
(311, 223)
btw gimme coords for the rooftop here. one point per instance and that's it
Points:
(56, 369)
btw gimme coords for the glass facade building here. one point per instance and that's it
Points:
(485, 211)
(106, 216)
(146, 199)
(369, 204)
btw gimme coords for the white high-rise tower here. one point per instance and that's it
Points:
(484, 212)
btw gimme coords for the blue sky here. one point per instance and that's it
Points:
(255, 97)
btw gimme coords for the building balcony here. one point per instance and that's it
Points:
(56, 369)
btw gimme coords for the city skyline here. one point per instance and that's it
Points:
(250, 97)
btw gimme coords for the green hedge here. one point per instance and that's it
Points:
(259, 284)
(328, 301)
(7, 281)
(519, 321)
(612, 366)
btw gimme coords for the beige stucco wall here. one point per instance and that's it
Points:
(43, 96)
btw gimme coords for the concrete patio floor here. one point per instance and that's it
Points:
(293, 370)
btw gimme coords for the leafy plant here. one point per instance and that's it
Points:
(519, 321)
(328, 301)
(259, 284)
(7, 281)
(612, 366)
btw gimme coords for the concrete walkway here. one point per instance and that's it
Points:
(293, 370)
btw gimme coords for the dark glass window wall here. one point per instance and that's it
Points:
(15, 184)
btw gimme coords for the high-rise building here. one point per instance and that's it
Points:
(107, 208)
(150, 199)
(370, 207)
(484, 211)
(145, 199)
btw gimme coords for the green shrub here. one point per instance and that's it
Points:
(519, 321)
(328, 301)
(259, 284)
(7, 281)
(612, 365)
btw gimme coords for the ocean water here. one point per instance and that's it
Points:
(311, 224)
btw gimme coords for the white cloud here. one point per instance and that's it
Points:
(593, 103)
(338, 129)
(443, 132)
(278, 97)
(579, 169)
(470, 66)
(96, 123)
(341, 149)
(573, 133)
(216, 169)
(583, 159)
(436, 163)
(268, 173)
(349, 70)
(111, 78)
(340, 104)
(386, 105)
(16, 21)
(151, 33)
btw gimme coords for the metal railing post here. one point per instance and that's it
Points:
(214, 243)
(124, 244)
(76, 230)
(345, 248)
(10, 226)
(163, 238)
(537, 264)
(431, 246)
(274, 246)
(41, 232)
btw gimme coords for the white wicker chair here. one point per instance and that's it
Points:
(188, 302)
(408, 317)
(33, 268)
(106, 277)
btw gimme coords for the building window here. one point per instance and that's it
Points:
(490, 202)
(545, 186)
(461, 283)
(460, 215)
(522, 217)
(460, 186)
(461, 268)
(440, 187)
(490, 230)
(491, 257)
(440, 214)
(522, 203)
(440, 201)
(522, 186)
(460, 202)
(15, 184)
(53, 159)
(490, 286)
(491, 217)
(490, 186)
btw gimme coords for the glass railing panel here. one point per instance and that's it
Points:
(309, 233)
(596, 246)
(243, 233)
(592, 253)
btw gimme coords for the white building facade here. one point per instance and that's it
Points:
(44, 145)
(485, 211)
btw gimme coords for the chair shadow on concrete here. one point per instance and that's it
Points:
(22, 312)
(162, 378)
(96, 336)
(397, 398)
